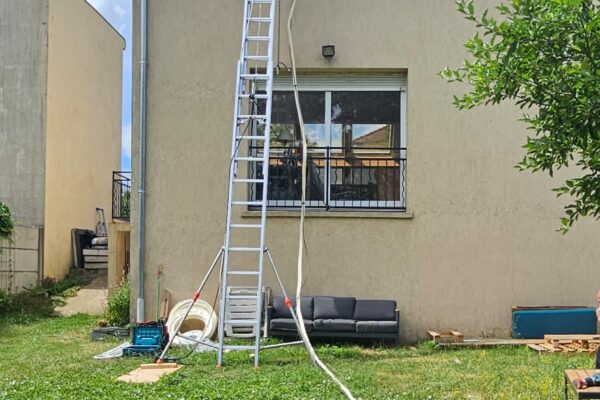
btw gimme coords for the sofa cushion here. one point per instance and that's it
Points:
(337, 325)
(334, 307)
(280, 310)
(375, 310)
(288, 324)
(376, 326)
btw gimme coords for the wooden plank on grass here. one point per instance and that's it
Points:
(446, 337)
(158, 366)
(149, 373)
(572, 337)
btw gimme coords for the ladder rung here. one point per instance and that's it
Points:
(241, 297)
(249, 273)
(258, 38)
(247, 203)
(259, 19)
(238, 347)
(248, 180)
(249, 159)
(240, 322)
(255, 96)
(261, 1)
(253, 116)
(246, 225)
(247, 137)
(246, 249)
(255, 76)
(257, 58)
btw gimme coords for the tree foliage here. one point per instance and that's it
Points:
(6, 222)
(544, 55)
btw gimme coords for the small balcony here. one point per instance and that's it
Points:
(121, 196)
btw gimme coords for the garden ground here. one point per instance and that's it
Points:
(51, 358)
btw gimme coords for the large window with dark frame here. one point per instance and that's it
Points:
(356, 149)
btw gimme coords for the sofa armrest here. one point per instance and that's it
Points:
(397, 339)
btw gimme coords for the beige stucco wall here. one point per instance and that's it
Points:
(118, 251)
(83, 139)
(482, 235)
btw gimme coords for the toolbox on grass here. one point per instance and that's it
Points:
(146, 338)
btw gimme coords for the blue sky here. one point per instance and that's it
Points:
(118, 13)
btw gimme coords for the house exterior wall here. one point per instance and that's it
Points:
(23, 62)
(83, 124)
(118, 252)
(478, 236)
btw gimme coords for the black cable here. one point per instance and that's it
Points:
(279, 36)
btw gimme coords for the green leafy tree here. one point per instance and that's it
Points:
(7, 225)
(543, 55)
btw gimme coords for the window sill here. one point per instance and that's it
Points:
(331, 214)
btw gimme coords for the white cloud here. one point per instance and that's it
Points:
(120, 11)
(126, 140)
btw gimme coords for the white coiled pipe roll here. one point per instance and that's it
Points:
(201, 311)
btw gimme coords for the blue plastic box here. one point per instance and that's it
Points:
(535, 323)
(146, 339)
(147, 335)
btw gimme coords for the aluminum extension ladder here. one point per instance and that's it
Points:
(243, 253)
(245, 259)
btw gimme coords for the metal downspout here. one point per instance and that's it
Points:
(142, 165)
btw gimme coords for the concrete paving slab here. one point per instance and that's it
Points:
(89, 300)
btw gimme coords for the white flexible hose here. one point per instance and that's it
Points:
(301, 328)
(201, 311)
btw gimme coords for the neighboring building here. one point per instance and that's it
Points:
(60, 125)
(410, 199)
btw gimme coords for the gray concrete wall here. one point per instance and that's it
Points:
(23, 69)
(479, 236)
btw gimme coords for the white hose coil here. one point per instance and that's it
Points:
(201, 311)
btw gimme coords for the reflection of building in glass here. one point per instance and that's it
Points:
(355, 155)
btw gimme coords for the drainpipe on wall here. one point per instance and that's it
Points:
(142, 165)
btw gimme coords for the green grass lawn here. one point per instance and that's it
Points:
(52, 359)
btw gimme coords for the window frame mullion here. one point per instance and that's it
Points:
(327, 183)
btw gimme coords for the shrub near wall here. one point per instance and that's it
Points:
(7, 228)
(117, 306)
(7, 225)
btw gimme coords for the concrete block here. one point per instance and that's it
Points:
(26, 260)
(25, 280)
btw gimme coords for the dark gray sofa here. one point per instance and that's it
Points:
(340, 317)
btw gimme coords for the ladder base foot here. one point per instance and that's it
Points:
(219, 366)
(257, 366)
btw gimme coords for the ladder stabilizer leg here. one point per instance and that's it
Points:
(195, 297)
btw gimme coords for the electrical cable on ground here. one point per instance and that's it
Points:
(301, 327)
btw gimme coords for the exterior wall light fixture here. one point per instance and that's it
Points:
(328, 51)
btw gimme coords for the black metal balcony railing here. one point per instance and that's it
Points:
(347, 178)
(121, 195)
